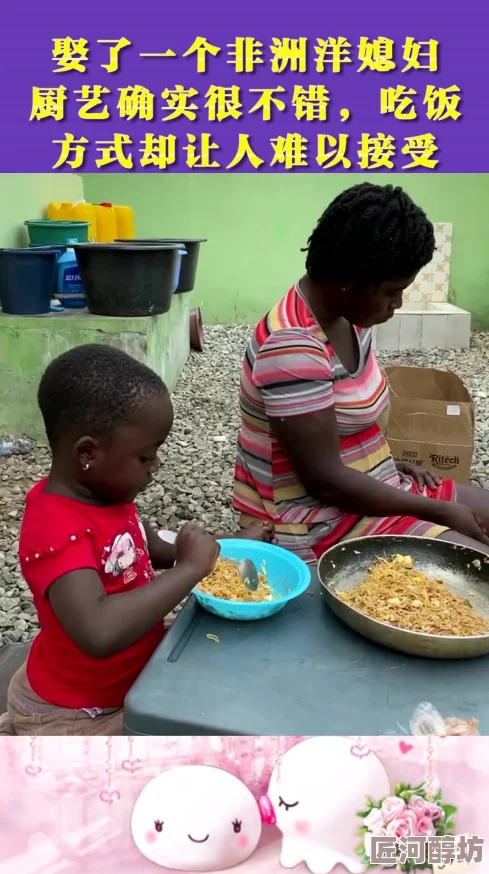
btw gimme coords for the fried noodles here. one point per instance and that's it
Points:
(396, 593)
(225, 582)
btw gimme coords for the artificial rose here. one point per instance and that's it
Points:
(435, 812)
(392, 807)
(425, 826)
(374, 820)
(419, 805)
(404, 825)
(378, 833)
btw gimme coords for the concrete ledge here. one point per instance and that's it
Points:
(29, 343)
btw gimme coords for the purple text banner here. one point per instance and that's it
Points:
(220, 87)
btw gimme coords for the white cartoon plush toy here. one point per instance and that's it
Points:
(196, 818)
(314, 795)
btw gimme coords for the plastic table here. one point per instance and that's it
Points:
(301, 672)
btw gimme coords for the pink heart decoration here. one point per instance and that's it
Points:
(132, 765)
(404, 747)
(108, 796)
(33, 770)
(359, 752)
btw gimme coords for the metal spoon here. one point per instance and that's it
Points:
(249, 573)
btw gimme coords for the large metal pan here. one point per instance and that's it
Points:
(465, 571)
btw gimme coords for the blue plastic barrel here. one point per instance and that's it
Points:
(26, 281)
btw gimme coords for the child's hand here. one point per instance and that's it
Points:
(196, 549)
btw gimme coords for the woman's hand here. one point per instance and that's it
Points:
(462, 519)
(422, 478)
(262, 531)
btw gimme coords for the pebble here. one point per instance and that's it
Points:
(194, 482)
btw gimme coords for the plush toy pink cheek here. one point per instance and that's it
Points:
(243, 841)
(151, 837)
(302, 827)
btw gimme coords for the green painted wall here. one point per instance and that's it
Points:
(256, 225)
(26, 195)
(29, 343)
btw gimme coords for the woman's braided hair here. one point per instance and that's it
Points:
(370, 234)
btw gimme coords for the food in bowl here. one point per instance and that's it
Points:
(396, 593)
(225, 582)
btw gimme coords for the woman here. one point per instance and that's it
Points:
(312, 456)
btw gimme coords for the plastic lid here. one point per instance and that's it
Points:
(54, 223)
(106, 204)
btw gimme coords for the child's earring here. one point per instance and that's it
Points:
(86, 467)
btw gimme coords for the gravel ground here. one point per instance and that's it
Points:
(195, 479)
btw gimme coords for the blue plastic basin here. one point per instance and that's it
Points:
(287, 575)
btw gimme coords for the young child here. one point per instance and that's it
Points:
(86, 555)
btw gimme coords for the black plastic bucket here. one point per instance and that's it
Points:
(122, 279)
(189, 264)
(182, 253)
(27, 281)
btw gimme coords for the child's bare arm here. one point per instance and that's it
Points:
(102, 625)
(161, 553)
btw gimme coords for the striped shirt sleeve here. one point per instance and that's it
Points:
(293, 372)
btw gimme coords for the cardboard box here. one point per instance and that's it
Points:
(431, 421)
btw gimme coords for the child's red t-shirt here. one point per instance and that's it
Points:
(60, 535)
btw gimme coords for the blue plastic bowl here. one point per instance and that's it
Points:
(286, 574)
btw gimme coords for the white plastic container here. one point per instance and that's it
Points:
(70, 291)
